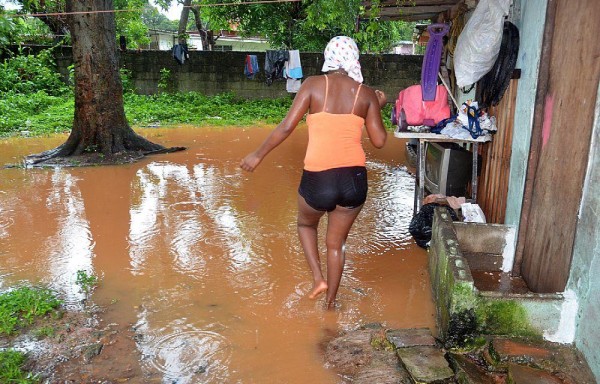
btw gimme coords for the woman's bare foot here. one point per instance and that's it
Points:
(319, 288)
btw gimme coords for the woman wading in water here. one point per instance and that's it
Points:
(334, 180)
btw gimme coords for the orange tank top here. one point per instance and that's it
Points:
(334, 140)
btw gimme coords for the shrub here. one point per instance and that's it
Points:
(27, 74)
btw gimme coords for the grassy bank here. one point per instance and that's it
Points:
(19, 310)
(39, 113)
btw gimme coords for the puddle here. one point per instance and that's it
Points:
(199, 262)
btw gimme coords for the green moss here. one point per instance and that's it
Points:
(463, 297)
(380, 342)
(504, 317)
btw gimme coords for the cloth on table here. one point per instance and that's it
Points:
(469, 123)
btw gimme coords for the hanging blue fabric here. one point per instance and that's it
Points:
(474, 128)
(473, 123)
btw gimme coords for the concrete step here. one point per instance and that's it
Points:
(522, 374)
(426, 364)
(468, 371)
(413, 337)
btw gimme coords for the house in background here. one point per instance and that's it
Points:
(404, 47)
(225, 41)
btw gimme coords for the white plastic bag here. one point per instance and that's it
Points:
(478, 44)
(472, 213)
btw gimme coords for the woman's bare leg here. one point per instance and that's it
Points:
(339, 222)
(308, 223)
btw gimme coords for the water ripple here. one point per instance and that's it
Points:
(192, 356)
(5, 223)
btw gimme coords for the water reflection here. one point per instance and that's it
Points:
(71, 248)
(203, 260)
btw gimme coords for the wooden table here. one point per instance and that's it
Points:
(435, 137)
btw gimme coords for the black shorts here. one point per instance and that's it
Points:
(324, 190)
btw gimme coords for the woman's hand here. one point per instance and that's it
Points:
(381, 98)
(250, 162)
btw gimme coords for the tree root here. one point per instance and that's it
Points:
(57, 158)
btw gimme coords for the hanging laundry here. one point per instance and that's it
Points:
(294, 66)
(274, 65)
(292, 85)
(251, 66)
(180, 53)
(293, 72)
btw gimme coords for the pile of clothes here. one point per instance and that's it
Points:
(469, 123)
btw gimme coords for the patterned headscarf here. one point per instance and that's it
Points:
(342, 53)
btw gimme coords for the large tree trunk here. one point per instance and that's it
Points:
(183, 20)
(100, 125)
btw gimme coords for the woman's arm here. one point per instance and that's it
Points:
(283, 130)
(375, 128)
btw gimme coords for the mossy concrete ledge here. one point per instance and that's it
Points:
(523, 314)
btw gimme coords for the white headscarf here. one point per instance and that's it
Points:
(342, 53)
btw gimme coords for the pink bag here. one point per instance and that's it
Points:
(410, 109)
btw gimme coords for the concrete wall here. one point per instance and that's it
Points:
(581, 313)
(217, 72)
(584, 279)
(530, 21)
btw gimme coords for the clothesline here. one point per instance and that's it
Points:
(139, 10)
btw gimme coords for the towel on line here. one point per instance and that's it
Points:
(294, 65)
(251, 66)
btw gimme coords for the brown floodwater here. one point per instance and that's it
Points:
(199, 262)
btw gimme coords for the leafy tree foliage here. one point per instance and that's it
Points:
(153, 19)
(128, 16)
(6, 28)
(307, 25)
(130, 23)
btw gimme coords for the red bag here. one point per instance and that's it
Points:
(410, 109)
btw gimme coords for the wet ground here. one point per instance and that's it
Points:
(202, 278)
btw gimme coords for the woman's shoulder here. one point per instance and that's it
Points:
(367, 88)
(368, 92)
(314, 80)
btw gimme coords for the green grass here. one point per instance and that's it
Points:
(40, 114)
(22, 306)
(19, 308)
(197, 109)
(45, 331)
(11, 364)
